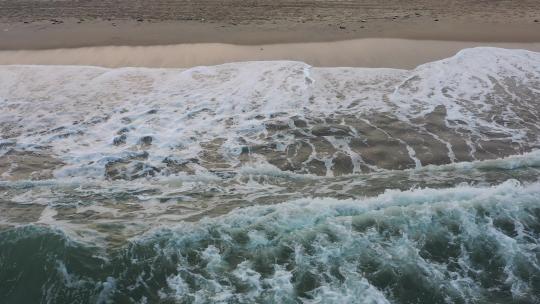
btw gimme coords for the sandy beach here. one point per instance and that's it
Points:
(183, 34)
(67, 24)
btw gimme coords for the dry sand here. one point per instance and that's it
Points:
(42, 24)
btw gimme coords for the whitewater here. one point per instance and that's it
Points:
(272, 182)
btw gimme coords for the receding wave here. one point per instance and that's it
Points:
(132, 122)
(272, 182)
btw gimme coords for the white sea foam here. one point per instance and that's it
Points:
(488, 99)
(345, 245)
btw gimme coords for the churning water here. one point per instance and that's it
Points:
(272, 182)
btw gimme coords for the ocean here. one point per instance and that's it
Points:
(272, 182)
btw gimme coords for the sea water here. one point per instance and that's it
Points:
(272, 182)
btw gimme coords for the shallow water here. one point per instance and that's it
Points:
(272, 182)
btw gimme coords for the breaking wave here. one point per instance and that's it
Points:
(457, 245)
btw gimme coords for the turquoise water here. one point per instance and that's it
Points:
(454, 245)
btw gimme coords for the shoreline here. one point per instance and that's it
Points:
(368, 53)
(171, 33)
(71, 34)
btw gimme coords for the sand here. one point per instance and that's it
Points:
(368, 52)
(45, 24)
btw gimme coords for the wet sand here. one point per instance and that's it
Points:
(371, 52)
